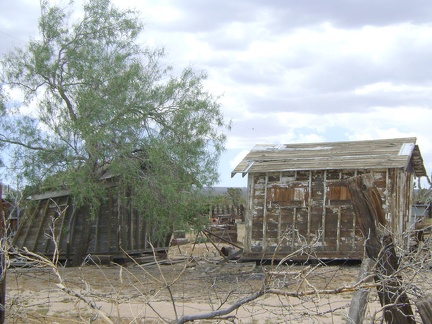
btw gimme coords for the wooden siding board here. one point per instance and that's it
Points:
(71, 232)
(56, 215)
(102, 233)
(43, 214)
(264, 221)
(323, 213)
(110, 228)
(144, 232)
(99, 228)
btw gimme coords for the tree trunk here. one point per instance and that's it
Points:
(390, 288)
(370, 216)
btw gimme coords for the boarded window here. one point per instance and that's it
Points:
(338, 193)
(283, 194)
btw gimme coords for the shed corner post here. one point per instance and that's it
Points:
(248, 214)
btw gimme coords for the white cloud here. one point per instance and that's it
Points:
(388, 88)
(294, 71)
(238, 158)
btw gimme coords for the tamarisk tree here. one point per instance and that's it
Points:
(2, 113)
(98, 105)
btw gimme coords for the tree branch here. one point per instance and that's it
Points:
(261, 292)
(221, 312)
(68, 103)
(29, 146)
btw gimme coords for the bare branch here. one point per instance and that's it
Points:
(221, 312)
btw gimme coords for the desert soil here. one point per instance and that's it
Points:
(187, 283)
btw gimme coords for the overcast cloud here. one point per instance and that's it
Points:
(291, 71)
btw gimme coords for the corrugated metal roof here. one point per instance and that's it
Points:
(372, 154)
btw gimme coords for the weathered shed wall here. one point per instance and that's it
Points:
(288, 210)
(116, 230)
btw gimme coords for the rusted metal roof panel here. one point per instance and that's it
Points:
(372, 154)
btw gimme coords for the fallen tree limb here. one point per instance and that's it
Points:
(43, 261)
(335, 291)
(92, 305)
(221, 312)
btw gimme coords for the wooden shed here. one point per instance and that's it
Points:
(297, 196)
(115, 233)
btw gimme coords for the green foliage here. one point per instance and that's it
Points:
(422, 195)
(232, 197)
(104, 109)
(236, 196)
(3, 100)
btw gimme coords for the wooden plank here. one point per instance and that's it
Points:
(264, 223)
(359, 300)
(338, 230)
(63, 214)
(71, 232)
(353, 234)
(424, 306)
(97, 237)
(83, 235)
(100, 259)
(26, 225)
(324, 210)
(280, 234)
(41, 224)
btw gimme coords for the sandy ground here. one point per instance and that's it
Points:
(191, 283)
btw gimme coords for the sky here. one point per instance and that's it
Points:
(290, 71)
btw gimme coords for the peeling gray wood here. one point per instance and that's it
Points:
(359, 300)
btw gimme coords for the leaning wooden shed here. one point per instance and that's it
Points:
(116, 232)
(297, 197)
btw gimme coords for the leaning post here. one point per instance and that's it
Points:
(370, 216)
(359, 300)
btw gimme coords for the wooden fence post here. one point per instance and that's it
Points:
(370, 216)
(359, 300)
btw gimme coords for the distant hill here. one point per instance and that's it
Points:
(220, 191)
